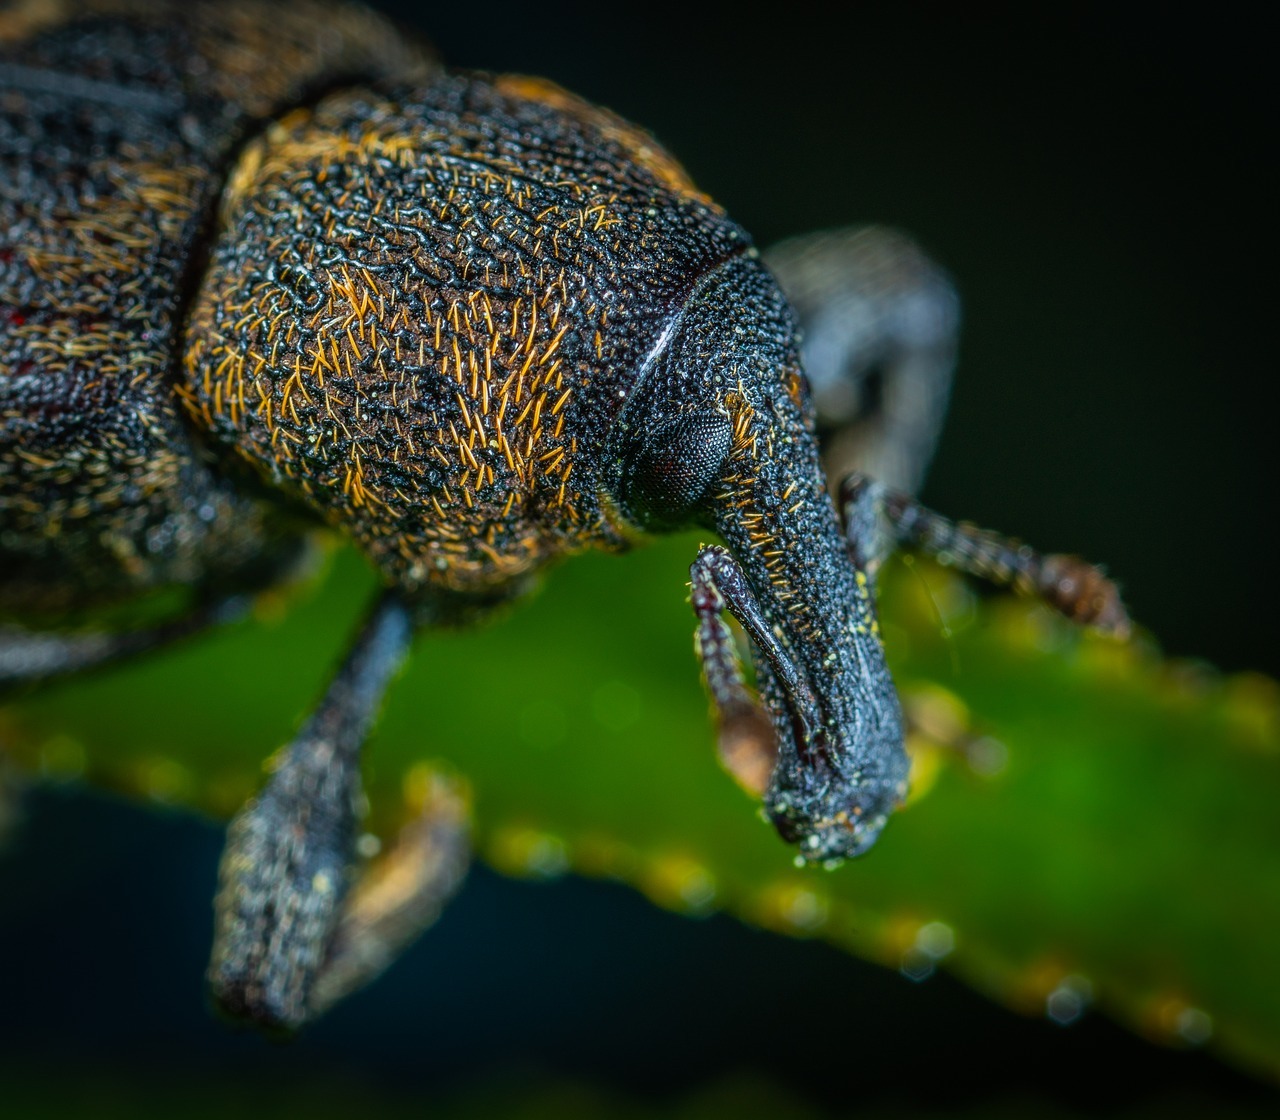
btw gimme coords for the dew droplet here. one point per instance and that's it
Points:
(164, 780)
(986, 756)
(1194, 1027)
(805, 910)
(936, 940)
(933, 942)
(677, 882)
(527, 851)
(1069, 1000)
(916, 966)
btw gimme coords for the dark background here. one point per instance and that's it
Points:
(1101, 191)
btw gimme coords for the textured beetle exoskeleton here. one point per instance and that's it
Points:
(117, 121)
(426, 307)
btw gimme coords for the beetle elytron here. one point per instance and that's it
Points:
(263, 266)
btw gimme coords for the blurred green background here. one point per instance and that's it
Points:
(1098, 190)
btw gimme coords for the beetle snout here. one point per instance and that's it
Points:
(843, 821)
(836, 787)
(840, 768)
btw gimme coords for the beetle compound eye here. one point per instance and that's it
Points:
(672, 466)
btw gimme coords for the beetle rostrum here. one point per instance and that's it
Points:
(270, 267)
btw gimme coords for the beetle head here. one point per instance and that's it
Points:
(718, 432)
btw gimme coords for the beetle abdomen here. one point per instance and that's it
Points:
(115, 125)
(425, 308)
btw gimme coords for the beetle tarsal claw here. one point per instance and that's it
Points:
(748, 740)
(1083, 593)
(398, 894)
(878, 521)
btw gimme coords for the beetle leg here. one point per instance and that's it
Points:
(286, 870)
(879, 322)
(398, 895)
(878, 520)
(30, 657)
(747, 743)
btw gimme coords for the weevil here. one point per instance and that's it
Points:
(270, 267)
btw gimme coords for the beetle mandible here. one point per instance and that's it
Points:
(268, 266)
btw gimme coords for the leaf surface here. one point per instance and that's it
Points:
(1088, 822)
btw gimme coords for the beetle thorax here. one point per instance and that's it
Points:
(424, 312)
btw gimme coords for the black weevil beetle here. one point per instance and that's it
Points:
(265, 266)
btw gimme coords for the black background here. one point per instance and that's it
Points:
(1101, 191)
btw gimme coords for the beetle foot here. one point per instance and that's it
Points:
(399, 894)
(878, 326)
(1083, 593)
(747, 740)
(748, 746)
(282, 883)
(877, 520)
(286, 868)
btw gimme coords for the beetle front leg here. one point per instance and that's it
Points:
(284, 914)
(879, 520)
(878, 323)
(398, 895)
(747, 744)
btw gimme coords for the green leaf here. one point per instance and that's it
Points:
(1089, 823)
